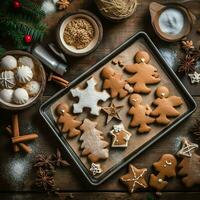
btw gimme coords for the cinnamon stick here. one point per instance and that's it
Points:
(15, 129)
(60, 83)
(59, 79)
(24, 138)
(24, 147)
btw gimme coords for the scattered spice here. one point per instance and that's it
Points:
(44, 161)
(44, 180)
(192, 55)
(45, 166)
(63, 4)
(187, 65)
(79, 32)
(17, 140)
(60, 81)
(187, 45)
(195, 129)
(58, 161)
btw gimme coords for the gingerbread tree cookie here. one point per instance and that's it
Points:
(189, 167)
(114, 81)
(89, 97)
(69, 123)
(143, 73)
(140, 113)
(165, 105)
(134, 179)
(166, 167)
(93, 143)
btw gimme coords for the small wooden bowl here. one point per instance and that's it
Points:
(70, 50)
(41, 77)
(156, 9)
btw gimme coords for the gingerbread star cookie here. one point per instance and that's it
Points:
(189, 167)
(120, 136)
(69, 124)
(135, 178)
(95, 169)
(187, 148)
(112, 111)
(89, 98)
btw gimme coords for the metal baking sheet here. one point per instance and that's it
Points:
(138, 142)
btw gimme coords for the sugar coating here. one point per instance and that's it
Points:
(89, 97)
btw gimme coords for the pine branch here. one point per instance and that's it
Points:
(2, 50)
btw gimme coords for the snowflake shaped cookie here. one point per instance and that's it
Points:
(89, 97)
(195, 77)
(96, 169)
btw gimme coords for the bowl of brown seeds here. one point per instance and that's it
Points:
(79, 33)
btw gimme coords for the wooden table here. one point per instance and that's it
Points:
(16, 172)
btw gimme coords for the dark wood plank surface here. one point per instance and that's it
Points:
(16, 173)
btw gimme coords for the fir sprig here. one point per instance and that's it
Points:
(26, 20)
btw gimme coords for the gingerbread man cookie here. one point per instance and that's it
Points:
(93, 144)
(114, 81)
(134, 179)
(165, 106)
(69, 123)
(143, 73)
(166, 167)
(140, 113)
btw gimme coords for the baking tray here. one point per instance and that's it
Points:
(136, 42)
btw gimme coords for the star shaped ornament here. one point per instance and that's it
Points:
(96, 169)
(112, 111)
(195, 77)
(134, 179)
(187, 148)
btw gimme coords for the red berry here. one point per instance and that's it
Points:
(28, 39)
(16, 4)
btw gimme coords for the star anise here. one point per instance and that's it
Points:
(44, 161)
(187, 64)
(63, 4)
(58, 160)
(195, 129)
(44, 180)
(187, 45)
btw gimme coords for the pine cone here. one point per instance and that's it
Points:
(62, 4)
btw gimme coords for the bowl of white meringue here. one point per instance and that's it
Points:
(22, 80)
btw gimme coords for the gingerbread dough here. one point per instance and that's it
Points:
(114, 81)
(143, 74)
(165, 106)
(140, 113)
(68, 123)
